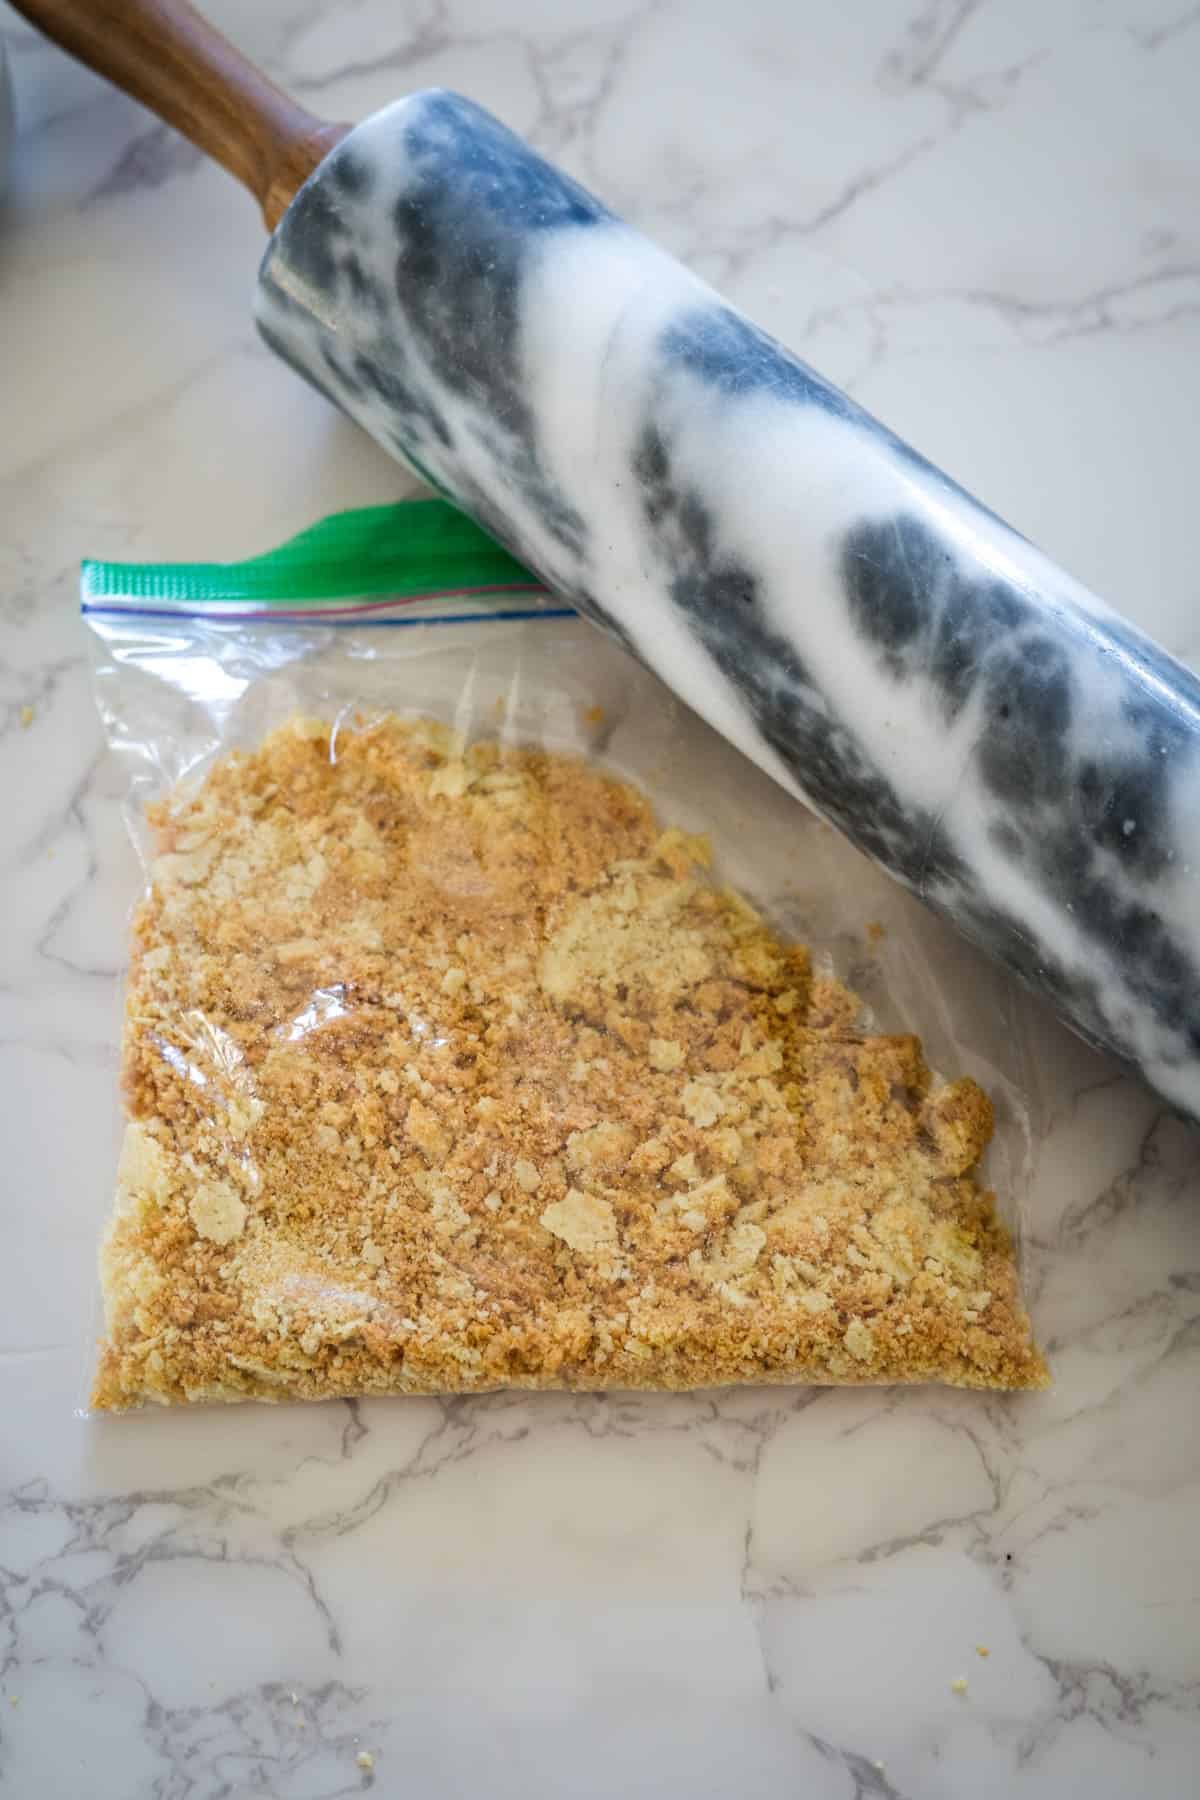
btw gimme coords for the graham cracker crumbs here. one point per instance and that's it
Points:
(446, 1071)
(959, 1686)
(26, 716)
(982, 1650)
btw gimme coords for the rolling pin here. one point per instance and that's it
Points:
(999, 740)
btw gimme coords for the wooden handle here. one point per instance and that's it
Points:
(165, 55)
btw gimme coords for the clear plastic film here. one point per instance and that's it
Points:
(450, 1063)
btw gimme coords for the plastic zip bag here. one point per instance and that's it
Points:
(314, 1197)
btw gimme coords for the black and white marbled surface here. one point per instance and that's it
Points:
(1001, 742)
(981, 221)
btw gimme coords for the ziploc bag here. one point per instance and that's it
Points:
(471, 1038)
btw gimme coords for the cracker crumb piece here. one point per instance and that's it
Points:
(701, 1103)
(638, 1145)
(426, 1131)
(582, 1221)
(982, 1650)
(450, 781)
(26, 717)
(727, 1144)
(218, 1212)
(606, 1144)
(365, 1760)
(297, 950)
(959, 1686)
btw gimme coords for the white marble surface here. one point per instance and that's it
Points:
(981, 216)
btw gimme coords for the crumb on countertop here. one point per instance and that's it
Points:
(959, 1686)
(26, 717)
(365, 1760)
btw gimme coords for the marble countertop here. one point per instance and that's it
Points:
(981, 217)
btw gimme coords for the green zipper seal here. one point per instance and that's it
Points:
(416, 547)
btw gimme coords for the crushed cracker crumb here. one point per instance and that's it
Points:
(528, 1175)
(637, 1144)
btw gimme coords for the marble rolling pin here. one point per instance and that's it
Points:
(971, 717)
